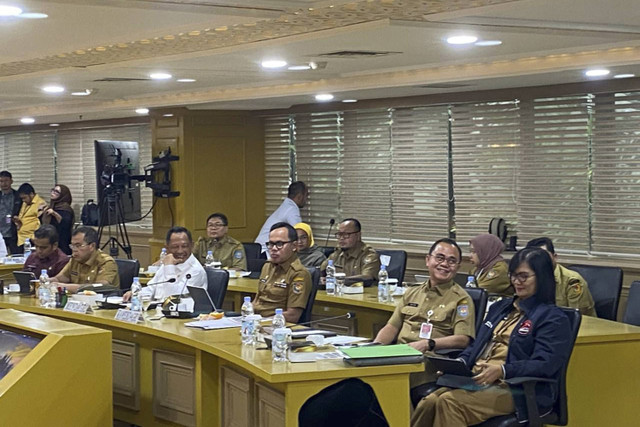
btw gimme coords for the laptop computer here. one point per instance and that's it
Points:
(24, 279)
(202, 302)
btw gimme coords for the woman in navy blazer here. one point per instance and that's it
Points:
(523, 336)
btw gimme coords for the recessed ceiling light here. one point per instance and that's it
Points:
(27, 120)
(323, 97)
(596, 72)
(299, 67)
(462, 39)
(160, 76)
(167, 115)
(85, 92)
(489, 43)
(623, 76)
(142, 111)
(274, 63)
(10, 11)
(349, 100)
(186, 80)
(33, 15)
(54, 124)
(53, 89)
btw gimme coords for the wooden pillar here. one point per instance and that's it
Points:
(221, 169)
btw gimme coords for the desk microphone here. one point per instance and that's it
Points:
(331, 222)
(187, 277)
(347, 315)
(153, 295)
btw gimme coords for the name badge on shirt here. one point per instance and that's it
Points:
(425, 330)
(280, 285)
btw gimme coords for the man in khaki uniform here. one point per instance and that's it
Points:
(284, 282)
(88, 265)
(437, 314)
(226, 249)
(571, 288)
(359, 261)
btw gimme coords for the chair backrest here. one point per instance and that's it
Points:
(255, 267)
(561, 407)
(127, 270)
(632, 312)
(305, 317)
(328, 250)
(253, 250)
(605, 284)
(217, 281)
(479, 297)
(398, 263)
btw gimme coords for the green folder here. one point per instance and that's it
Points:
(382, 355)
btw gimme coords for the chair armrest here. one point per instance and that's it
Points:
(529, 386)
(451, 353)
(523, 380)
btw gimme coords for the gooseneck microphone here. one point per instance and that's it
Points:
(187, 277)
(347, 315)
(331, 222)
(153, 295)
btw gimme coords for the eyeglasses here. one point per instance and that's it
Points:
(345, 235)
(55, 190)
(520, 277)
(216, 225)
(277, 245)
(74, 246)
(441, 258)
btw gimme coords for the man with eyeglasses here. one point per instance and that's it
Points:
(47, 255)
(359, 261)
(179, 264)
(288, 211)
(437, 314)
(88, 265)
(284, 282)
(226, 249)
(10, 204)
(571, 288)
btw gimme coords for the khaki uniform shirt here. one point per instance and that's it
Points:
(100, 267)
(227, 250)
(496, 279)
(496, 350)
(360, 260)
(453, 314)
(572, 291)
(282, 286)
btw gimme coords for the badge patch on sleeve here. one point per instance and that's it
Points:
(576, 288)
(525, 328)
(491, 274)
(297, 287)
(463, 310)
(237, 254)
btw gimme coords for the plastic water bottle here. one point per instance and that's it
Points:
(331, 278)
(247, 307)
(247, 322)
(136, 302)
(27, 248)
(383, 284)
(208, 261)
(278, 320)
(43, 290)
(53, 295)
(471, 282)
(280, 344)
(163, 254)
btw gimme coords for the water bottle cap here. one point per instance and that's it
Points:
(331, 262)
(209, 252)
(383, 267)
(278, 311)
(470, 278)
(136, 279)
(164, 250)
(43, 271)
(247, 299)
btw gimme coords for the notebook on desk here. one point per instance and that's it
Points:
(375, 355)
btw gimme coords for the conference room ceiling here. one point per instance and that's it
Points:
(362, 50)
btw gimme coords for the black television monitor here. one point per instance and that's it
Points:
(118, 193)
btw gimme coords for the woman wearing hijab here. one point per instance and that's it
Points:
(490, 268)
(60, 214)
(309, 254)
(27, 220)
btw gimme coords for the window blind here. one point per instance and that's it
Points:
(277, 158)
(485, 140)
(29, 156)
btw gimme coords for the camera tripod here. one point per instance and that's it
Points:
(112, 214)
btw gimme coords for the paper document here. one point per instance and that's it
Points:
(225, 322)
(344, 340)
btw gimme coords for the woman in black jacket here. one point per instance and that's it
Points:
(524, 336)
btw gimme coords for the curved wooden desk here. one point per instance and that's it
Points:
(218, 356)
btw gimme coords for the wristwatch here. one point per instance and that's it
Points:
(432, 344)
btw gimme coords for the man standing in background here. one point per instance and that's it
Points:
(10, 204)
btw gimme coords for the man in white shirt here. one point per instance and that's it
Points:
(289, 211)
(179, 269)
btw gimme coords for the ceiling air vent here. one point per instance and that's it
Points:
(120, 79)
(357, 54)
(444, 86)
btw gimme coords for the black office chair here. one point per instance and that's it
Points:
(127, 270)
(255, 267)
(632, 312)
(480, 298)
(605, 284)
(305, 317)
(253, 251)
(559, 415)
(398, 263)
(217, 281)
